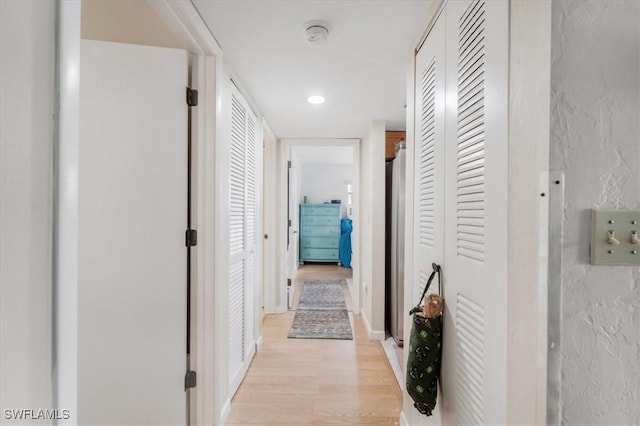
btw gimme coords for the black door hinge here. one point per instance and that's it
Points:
(192, 97)
(190, 380)
(289, 164)
(289, 222)
(191, 238)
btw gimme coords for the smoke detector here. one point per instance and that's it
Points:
(316, 32)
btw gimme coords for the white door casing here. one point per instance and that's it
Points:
(270, 208)
(132, 216)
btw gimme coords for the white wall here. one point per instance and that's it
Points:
(325, 182)
(27, 46)
(372, 178)
(595, 107)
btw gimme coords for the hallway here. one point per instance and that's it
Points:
(306, 381)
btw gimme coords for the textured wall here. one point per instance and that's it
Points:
(596, 141)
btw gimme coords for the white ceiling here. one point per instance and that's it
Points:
(361, 69)
(322, 154)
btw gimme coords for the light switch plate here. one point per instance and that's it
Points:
(622, 223)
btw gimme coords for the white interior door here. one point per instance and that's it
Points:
(131, 235)
(476, 176)
(429, 169)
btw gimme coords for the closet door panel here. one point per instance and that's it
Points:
(476, 212)
(429, 172)
(243, 221)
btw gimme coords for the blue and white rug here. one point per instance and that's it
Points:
(322, 312)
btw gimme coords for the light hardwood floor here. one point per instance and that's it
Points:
(307, 381)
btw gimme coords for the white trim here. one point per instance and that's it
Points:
(270, 221)
(259, 343)
(185, 21)
(66, 214)
(434, 12)
(203, 319)
(403, 419)
(235, 384)
(377, 335)
(390, 351)
(221, 220)
(224, 413)
(281, 286)
(373, 334)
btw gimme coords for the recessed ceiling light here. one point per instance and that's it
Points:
(316, 99)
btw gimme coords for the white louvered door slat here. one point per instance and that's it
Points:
(429, 172)
(242, 236)
(237, 177)
(236, 318)
(476, 177)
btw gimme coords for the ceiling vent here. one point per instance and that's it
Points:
(316, 32)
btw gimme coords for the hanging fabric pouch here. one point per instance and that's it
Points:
(425, 348)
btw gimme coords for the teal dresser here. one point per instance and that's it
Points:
(319, 232)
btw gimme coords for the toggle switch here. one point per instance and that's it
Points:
(611, 237)
(614, 237)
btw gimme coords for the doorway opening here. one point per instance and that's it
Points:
(324, 173)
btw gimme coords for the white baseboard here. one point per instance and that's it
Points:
(377, 335)
(389, 347)
(373, 334)
(259, 343)
(226, 409)
(403, 419)
(365, 320)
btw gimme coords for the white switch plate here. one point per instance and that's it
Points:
(622, 223)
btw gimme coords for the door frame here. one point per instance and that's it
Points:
(278, 293)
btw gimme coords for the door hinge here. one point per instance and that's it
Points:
(191, 237)
(190, 380)
(289, 163)
(288, 282)
(289, 222)
(192, 97)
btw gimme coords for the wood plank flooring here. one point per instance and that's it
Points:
(306, 381)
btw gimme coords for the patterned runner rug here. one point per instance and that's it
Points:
(322, 312)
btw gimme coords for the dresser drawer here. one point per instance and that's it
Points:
(321, 220)
(320, 231)
(320, 242)
(319, 254)
(320, 210)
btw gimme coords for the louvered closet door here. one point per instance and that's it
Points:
(242, 238)
(476, 212)
(429, 171)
